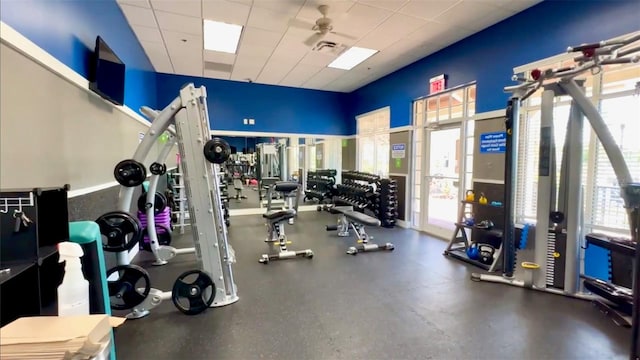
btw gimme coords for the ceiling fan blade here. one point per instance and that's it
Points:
(344, 35)
(313, 39)
(301, 24)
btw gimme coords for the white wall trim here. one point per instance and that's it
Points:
(401, 129)
(20, 43)
(403, 224)
(488, 181)
(273, 134)
(91, 189)
(490, 115)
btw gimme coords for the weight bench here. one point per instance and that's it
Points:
(275, 225)
(349, 219)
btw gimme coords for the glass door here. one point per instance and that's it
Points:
(443, 176)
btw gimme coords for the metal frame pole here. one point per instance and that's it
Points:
(545, 171)
(510, 178)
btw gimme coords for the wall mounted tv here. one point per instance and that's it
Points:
(107, 73)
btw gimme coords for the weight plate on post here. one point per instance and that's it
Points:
(163, 234)
(193, 292)
(130, 288)
(158, 169)
(160, 203)
(217, 150)
(120, 231)
(130, 173)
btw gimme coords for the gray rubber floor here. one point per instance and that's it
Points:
(412, 303)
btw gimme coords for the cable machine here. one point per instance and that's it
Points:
(271, 167)
(559, 223)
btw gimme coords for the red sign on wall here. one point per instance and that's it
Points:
(437, 84)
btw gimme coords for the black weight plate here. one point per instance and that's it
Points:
(160, 203)
(164, 238)
(193, 296)
(217, 151)
(157, 168)
(130, 288)
(120, 231)
(129, 173)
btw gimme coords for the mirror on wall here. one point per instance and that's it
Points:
(257, 161)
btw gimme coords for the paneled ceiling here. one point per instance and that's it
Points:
(272, 47)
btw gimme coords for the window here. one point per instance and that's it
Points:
(373, 142)
(620, 108)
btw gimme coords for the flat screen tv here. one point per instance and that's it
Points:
(107, 73)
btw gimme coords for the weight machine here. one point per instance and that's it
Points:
(559, 224)
(271, 166)
(187, 122)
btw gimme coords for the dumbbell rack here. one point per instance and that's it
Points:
(320, 185)
(358, 189)
(386, 203)
(182, 212)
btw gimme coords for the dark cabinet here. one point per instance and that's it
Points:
(29, 268)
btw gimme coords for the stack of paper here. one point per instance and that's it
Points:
(52, 337)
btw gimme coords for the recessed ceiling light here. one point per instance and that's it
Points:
(352, 57)
(221, 37)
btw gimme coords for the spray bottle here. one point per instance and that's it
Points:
(73, 293)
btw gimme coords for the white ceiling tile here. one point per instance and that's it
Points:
(139, 16)
(337, 9)
(396, 27)
(468, 14)
(244, 2)
(318, 59)
(291, 46)
(258, 42)
(322, 78)
(248, 67)
(300, 74)
(139, 3)
(179, 23)
(150, 34)
(360, 20)
(157, 54)
(187, 64)
(287, 7)
(392, 5)
(183, 7)
(493, 17)
(268, 20)
(217, 74)
(226, 11)
(519, 5)
(427, 9)
(175, 44)
(275, 70)
(219, 57)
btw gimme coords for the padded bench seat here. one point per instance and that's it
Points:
(357, 216)
(275, 216)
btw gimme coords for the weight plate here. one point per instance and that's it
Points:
(162, 232)
(130, 288)
(217, 151)
(158, 169)
(193, 292)
(160, 203)
(130, 173)
(120, 231)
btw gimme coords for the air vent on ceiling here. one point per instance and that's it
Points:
(214, 66)
(328, 47)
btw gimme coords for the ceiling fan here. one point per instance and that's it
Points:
(321, 27)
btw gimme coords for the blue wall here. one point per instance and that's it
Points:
(274, 108)
(489, 57)
(67, 29)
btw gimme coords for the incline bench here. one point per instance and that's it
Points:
(350, 219)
